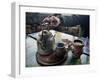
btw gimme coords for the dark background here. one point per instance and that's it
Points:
(35, 19)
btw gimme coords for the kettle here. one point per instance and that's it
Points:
(45, 43)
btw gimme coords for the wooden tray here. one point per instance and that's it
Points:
(50, 60)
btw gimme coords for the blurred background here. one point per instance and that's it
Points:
(34, 21)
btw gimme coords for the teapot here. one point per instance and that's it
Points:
(45, 42)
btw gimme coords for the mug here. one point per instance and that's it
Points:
(77, 48)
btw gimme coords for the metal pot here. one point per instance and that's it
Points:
(47, 41)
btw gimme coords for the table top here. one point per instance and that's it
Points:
(31, 47)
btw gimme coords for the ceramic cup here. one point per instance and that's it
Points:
(60, 49)
(77, 48)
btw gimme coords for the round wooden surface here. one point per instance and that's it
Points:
(51, 59)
